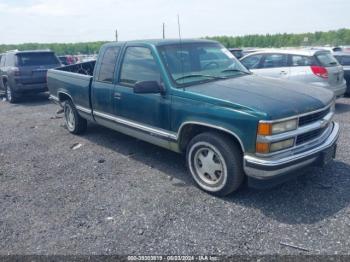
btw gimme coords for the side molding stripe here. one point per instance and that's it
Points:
(151, 130)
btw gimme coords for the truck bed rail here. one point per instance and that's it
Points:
(86, 68)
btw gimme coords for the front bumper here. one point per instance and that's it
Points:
(269, 168)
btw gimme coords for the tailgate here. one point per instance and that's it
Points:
(335, 75)
(334, 69)
(74, 85)
(34, 74)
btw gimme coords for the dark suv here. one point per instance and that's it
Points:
(344, 59)
(24, 72)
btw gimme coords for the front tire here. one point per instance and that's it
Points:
(215, 163)
(74, 122)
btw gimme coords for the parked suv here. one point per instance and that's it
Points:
(24, 72)
(316, 67)
(344, 59)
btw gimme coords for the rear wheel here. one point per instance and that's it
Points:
(75, 123)
(215, 163)
(11, 96)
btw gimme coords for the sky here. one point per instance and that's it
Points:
(49, 21)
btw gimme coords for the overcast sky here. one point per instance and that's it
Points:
(49, 21)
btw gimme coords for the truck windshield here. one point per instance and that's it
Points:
(192, 63)
(37, 59)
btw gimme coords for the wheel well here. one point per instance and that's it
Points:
(189, 131)
(63, 97)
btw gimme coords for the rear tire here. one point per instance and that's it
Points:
(215, 163)
(74, 122)
(10, 95)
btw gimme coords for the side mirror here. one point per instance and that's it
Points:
(148, 87)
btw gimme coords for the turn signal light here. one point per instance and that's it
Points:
(265, 129)
(262, 148)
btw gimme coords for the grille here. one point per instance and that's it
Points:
(304, 120)
(303, 138)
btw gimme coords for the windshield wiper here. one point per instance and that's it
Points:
(199, 75)
(235, 70)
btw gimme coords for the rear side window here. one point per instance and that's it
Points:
(3, 60)
(108, 64)
(139, 65)
(275, 60)
(326, 59)
(9, 61)
(37, 59)
(298, 60)
(252, 62)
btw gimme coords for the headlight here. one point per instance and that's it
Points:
(267, 129)
(264, 148)
(281, 145)
(285, 126)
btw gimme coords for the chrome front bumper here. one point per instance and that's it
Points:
(266, 168)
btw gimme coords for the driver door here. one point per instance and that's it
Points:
(139, 64)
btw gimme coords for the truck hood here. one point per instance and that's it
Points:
(274, 97)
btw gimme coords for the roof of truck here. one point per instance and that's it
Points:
(159, 42)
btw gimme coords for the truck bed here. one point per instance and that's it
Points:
(73, 80)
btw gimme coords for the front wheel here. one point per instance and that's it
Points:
(75, 123)
(215, 163)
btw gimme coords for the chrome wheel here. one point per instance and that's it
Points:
(70, 117)
(208, 166)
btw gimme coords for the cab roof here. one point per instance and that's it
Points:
(160, 42)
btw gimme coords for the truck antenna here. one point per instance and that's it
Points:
(116, 35)
(163, 30)
(178, 26)
(181, 61)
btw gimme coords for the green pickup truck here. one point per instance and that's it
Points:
(194, 97)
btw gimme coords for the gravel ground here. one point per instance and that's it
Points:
(118, 195)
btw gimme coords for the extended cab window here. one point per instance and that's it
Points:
(252, 62)
(275, 60)
(138, 65)
(108, 63)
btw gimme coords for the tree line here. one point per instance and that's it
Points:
(58, 48)
(333, 38)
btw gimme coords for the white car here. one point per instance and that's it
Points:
(315, 67)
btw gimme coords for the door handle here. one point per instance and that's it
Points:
(117, 95)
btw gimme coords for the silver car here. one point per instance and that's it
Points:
(316, 67)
